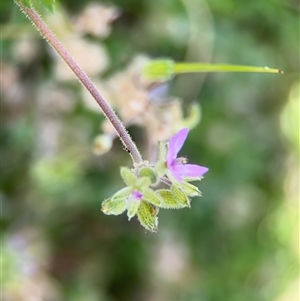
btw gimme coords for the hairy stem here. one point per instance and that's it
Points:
(128, 143)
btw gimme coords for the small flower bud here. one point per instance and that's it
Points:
(149, 173)
(102, 144)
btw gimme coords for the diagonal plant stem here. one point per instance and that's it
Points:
(84, 79)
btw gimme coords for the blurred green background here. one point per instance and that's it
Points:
(238, 242)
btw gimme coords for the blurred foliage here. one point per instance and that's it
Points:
(238, 242)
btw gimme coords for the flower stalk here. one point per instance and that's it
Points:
(50, 37)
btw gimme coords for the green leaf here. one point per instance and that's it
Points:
(152, 197)
(147, 216)
(48, 4)
(114, 207)
(128, 177)
(149, 173)
(190, 190)
(132, 207)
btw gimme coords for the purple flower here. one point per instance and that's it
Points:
(178, 166)
(136, 195)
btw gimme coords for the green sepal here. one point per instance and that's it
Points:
(122, 193)
(152, 197)
(169, 200)
(161, 168)
(148, 173)
(142, 183)
(190, 190)
(162, 150)
(114, 207)
(128, 176)
(132, 207)
(147, 216)
(192, 179)
(180, 196)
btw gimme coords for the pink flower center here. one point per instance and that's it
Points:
(137, 195)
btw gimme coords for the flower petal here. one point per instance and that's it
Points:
(188, 170)
(175, 144)
(176, 173)
(193, 170)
